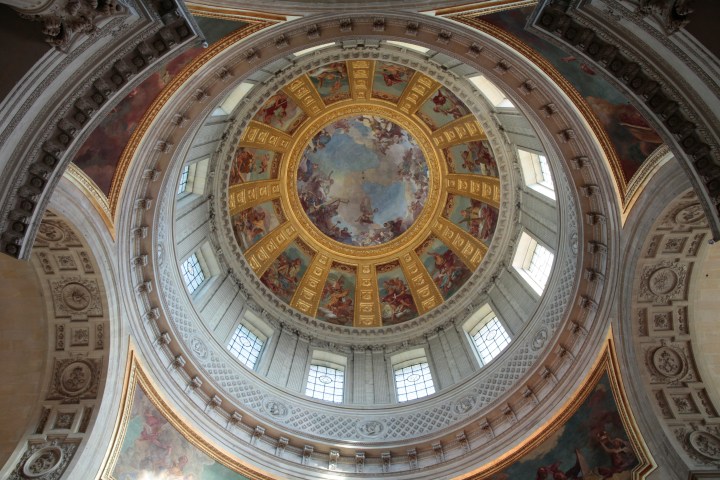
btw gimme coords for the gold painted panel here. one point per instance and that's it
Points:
(416, 93)
(423, 288)
(245, 195)
(308, 294)
(464, 129)
(264, 252)
(259, 135)
(367, 305)
(470, 250)
(361, 78)
(303, 92)
(485, 189)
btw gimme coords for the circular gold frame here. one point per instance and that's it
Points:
(350, 254)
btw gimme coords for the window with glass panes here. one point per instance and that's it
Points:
(490, 340)
(413, 381)
(183, 179)
(545, 172)
(192, 273)
(246, 346)
(325, 383)
(540, 265)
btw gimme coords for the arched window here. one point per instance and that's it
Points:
(412, 375)
(326, 378)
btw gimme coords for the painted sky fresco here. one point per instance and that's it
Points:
(337, 303)
(281, 112)
(442, 108)
(253, 164)
(100, 154)
(472, 157)
(632, 136)
(283, 276)
(591, 445)
(396, 301)
(254, 223)
(447, 270)
(473, 216)
(363, 180)
(153, 448)
(331, 82)
(390, 80)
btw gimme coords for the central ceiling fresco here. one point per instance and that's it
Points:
(363, 193)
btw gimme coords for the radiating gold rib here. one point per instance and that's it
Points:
(361, 78)
(418, 90)
(260, 135)
(470, 250)
(479, 187)
(246, 195)
(367, 305)
(264, 252)
(423, 288)
(464, 129)
(304, 93)
(309, 292)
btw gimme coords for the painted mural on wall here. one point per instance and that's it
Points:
(337, 301)
(447, 270)
(153, 448)
(284, 274)
(363, 180)
(331, 82)
(99, 155)
(254, 223)
(472, 157)
(592, 445)
(396, 301)
(633, 137)
(254, 164)
(442, 108)
(390, 80)
(475, 217)
(281, 112)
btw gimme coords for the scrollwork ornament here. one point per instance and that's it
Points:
(669, 362)
(43, 462)
(706, 444)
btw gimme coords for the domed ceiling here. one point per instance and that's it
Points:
(363, 193)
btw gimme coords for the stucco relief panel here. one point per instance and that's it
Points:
(662, 329)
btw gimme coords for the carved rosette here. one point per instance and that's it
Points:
(46, 461)
(76, 296)
(664, 282)
(75, 379)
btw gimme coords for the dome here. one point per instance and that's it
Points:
(374, 241)
(358, 202)
(368, 219)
